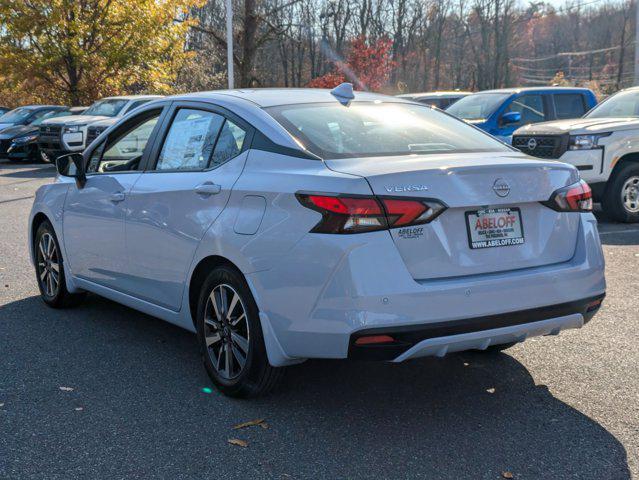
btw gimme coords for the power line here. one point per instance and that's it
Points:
(568, 54)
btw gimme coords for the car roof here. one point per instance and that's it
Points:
(38, 107)
(271, 97)
(443, 93)
(537, 89)
(130, 97)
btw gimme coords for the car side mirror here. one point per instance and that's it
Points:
(71, 165)
(510, 117)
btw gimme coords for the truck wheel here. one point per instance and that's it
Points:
(621, 200)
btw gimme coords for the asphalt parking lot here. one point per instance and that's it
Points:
(133, 405)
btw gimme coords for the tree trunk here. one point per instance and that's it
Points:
(248, 44)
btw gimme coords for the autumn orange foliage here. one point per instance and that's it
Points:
(367, 66)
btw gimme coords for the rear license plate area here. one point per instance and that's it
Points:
(494, 227)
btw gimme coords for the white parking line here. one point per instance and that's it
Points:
(615, 232)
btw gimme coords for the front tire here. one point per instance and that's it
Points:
(621, 199)
(49, 266)
(230, 337)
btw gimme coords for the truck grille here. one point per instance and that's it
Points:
(50, 136)
(542, 146)
(93, 133)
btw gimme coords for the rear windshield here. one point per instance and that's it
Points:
(478, 106)
(363, 129)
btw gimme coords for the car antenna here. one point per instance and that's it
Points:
(343, 93)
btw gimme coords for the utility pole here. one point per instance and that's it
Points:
(229, 41)
(636, 42)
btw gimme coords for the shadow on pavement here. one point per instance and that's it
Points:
(26, 171)
(614, 233)
(139, 380)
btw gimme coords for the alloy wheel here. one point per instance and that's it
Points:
(48, 265)
(630, 194)
(226, 331)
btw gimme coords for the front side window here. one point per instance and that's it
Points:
(368, 129)
(531, 108)
(477, 107)
(125, 153)
(569, 105)
(622, 104)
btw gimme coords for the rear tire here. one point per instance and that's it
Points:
(230, 337)
(49, 266)
(621, 198)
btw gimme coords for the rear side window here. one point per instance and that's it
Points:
(569, 105)
(531, 108)
(229, 143)
(198, 139)
(367, 129)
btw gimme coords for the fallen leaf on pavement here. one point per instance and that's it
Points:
(507, 475)
(78, 409)
(238, 442)
(66, 389)
(490, 390)
(251, 423)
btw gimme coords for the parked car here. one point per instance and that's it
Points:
(603, 145)
(68, 134)
(18, 130)
(26, 115)
(21, 142)
(441, 100)
(225, 220)
(501, 112)
(4, 110)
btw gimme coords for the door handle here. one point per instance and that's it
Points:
(116, 197)
(208, 188)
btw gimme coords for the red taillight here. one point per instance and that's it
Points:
(374, 340)
(573, 198)
(401, 212)
(356, 214)
(346, 205)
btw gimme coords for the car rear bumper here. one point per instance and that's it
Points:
(479, 333)
(360, 283)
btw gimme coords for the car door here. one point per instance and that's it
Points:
(94, 212)
(531, 106)
(195, 163)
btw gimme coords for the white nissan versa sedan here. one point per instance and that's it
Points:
(282, 225)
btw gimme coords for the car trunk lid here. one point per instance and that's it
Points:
(475, 187)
